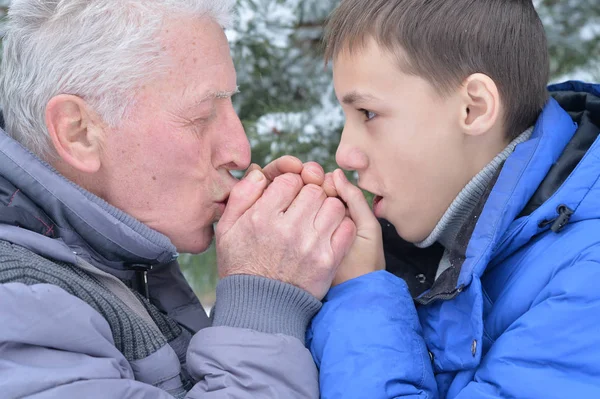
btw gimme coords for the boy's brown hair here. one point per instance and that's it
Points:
(445, 41)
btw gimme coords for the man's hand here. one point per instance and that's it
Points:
(286, 230)
(366, 254)
(311, 172)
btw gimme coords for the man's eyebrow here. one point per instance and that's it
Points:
(355, 97)
(225, 94)
(215, 94)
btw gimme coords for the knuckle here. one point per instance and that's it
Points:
(305, 242)
(289, 179)
(335, 205)
(287, 231)
(305, 248)
(313, 190)
(255, 218)
(325, 260)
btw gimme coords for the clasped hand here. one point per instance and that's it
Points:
(287, 222)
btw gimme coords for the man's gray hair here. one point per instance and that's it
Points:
(100, 50)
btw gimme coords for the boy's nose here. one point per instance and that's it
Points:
(350, 157)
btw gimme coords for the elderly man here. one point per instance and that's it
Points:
(120, 138)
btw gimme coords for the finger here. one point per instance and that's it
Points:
(313, 173)
(342, 239)
(306, 205)
(243, 195)
(330, 216)
(329, 185)
(281, 166)
(281, 192)
(252, 167)
(360, 212)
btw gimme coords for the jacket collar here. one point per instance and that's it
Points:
(512, 213)
(81, 222)
(557, 166)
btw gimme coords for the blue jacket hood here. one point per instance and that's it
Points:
(558, 167)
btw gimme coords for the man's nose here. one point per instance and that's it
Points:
(234, 148)
(349, 155)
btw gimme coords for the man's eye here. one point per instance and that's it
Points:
(368, 114)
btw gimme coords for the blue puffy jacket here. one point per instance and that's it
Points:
(519, 316)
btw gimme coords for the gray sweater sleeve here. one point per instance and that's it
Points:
(264, 305)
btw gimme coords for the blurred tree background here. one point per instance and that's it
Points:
(286, 99)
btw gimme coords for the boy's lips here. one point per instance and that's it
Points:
(377, 205)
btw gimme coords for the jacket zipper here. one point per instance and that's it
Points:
(444, 296)
(558, 223)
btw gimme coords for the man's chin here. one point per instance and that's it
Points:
(195, 243)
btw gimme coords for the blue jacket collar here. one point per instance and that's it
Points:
(500, 231)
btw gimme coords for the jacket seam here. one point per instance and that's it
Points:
(506, 201)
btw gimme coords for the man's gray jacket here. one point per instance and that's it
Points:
(75, 321)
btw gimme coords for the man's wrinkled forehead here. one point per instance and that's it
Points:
(199, 67)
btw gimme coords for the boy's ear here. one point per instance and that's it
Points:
(75, 131)
(480, 104)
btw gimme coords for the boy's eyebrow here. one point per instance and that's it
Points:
(356, 97)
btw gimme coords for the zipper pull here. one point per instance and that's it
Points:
(141, 277)
(564, 215)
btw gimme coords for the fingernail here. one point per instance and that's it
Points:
(251, 168)
(256, 176)
(316, 174)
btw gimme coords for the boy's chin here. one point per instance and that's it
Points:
(408, 228)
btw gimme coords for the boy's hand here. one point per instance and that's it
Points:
(329, 185)
(366, 254)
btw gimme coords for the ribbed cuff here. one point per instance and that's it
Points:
(264, 305)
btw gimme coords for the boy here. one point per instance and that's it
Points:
(494, 188)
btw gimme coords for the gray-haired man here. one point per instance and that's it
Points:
(120, 140)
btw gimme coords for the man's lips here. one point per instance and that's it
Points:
(221, 205)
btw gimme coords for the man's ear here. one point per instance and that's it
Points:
(76, 132)
(481, 106)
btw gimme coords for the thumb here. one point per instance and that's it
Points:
(243, 195)
(359, 209)
(252, 167)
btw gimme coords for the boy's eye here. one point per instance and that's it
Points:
(368, 114)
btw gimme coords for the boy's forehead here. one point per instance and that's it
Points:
(369, 63)
(372, 77)
(369, 55)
